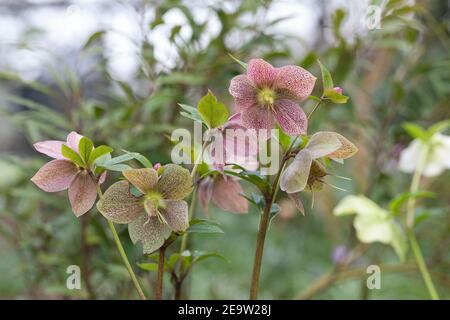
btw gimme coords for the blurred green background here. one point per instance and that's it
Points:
(115, 71)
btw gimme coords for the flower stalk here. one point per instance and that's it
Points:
(123, 255)
(160, 278)
(410, 227)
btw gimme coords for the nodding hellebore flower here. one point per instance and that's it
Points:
(233, 143)
(225, 192)
(266, 94)
(63, 173)
(435, 151)
(159, 210)
(305, 170)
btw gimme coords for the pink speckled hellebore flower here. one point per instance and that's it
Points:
(61, 174)
(233, 143)
(225, 192)
(266, 94)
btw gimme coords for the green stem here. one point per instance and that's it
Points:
(410, 227)
(160, 278)
(124, 255)
(315, 107)
(264, 224)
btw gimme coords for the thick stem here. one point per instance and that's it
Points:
(410, 227)
(160, 278)
(123, 255)
(86, 256)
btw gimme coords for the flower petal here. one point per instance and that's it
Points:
(55, 175)
(261, 73)
(258, 118)
(175, 182)
(82, 193)
(150, 231)
(144, 179)
(119, 205)
(295, 177)
(227, 195)
(295, 197)
(176, 214)
(51, 148)
(242, 87)
(291, 117)
(73, 140)
(243, 104)
(294, 82)
(409, 157)
(323, 143)
(205, 189)
(346, 150)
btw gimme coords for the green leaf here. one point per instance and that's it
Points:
(204, 226)
(441, 126)
(283, 139)
(72, 155)
(327, 81)
(99, 152)
(213, 113)
(203, 255)
(242, 63)
(335, 96)
(85, 148)
(150, 266)
(396, 204)
(94, 38)
(139, 157)
(253, 177)
(415, 131)
(190, 112)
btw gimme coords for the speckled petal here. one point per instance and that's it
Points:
(242, 87)
(257, 118)
(176, 214)
(82, 193)
(175, 182)
(294, 82)
(51, 148)
(149, 231)
(119, 205)
(295, 177)
(55, 175)
(227, 195)
(205, 189)
(261, 73)
(346, 150)
(73, 140)
(243, 104)
(144, 179)
(291, 117)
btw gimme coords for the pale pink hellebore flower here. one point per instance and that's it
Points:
(225, 192)
(266, 94)
(233, 143)
(61, 174)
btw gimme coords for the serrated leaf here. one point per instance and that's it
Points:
(72, 155)
(213, 113)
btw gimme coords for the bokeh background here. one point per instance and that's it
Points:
(115, 71)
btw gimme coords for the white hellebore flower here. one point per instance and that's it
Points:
(372, 223)
(435, 153)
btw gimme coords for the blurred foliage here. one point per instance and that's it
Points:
(394, 74)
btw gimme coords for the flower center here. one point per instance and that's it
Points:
(153, 202)
(266, 97)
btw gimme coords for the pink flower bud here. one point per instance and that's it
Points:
(156, 166)
(338, 90)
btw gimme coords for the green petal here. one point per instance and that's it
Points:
(119, 205)
(175, 182)
(358, 205)
(296, 175)
(144, 179)
(150, 231)
(176, 214)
